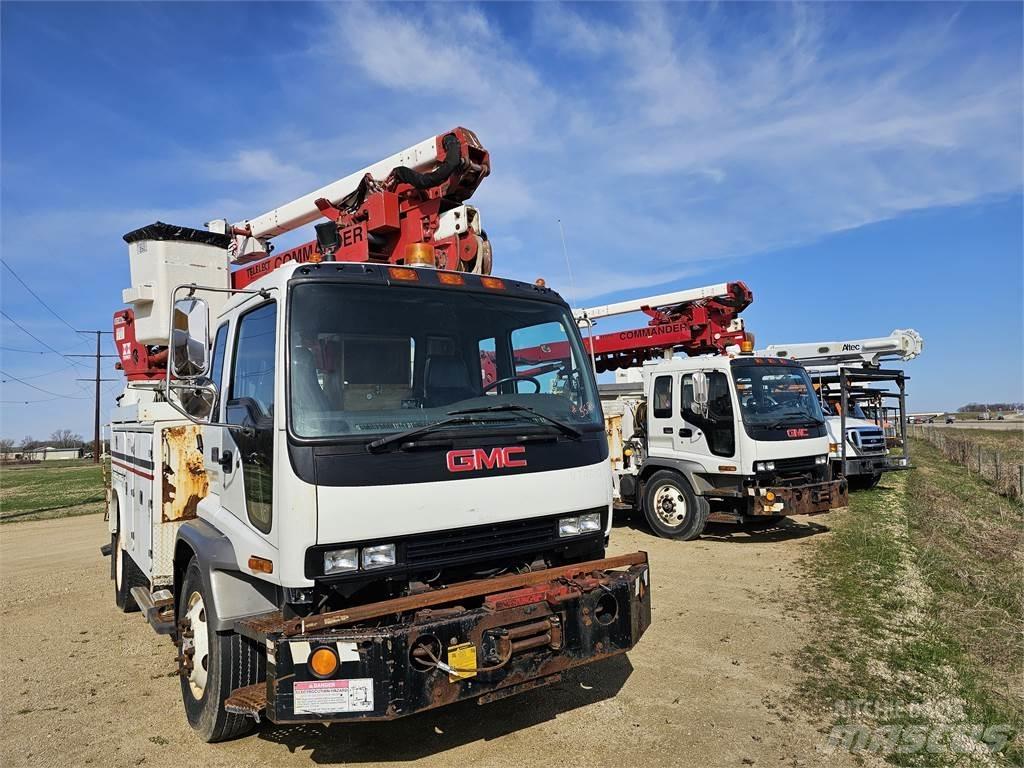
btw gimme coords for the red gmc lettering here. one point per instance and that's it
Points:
(472, 459)
(801, 432)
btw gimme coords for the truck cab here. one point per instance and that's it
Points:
(735, 438)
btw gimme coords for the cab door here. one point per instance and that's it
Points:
(713, 435)
(246, 455)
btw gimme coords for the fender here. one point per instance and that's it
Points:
(234, 594)
(698, 477)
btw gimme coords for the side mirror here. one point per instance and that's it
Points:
(190, 339)
(700, 394)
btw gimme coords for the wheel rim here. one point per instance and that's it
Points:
(196, 649)
(670, 506)
(118, 563)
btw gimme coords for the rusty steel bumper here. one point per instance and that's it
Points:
(810, 499)
(493, 646)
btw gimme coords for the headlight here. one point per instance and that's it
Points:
(764, 466)
(340, 560)
(574, 526)
(380, 556)
(821, 459)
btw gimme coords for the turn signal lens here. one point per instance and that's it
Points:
(261, 564)
(323, 662)
(833, 447)
(403, 273)
(769, 496)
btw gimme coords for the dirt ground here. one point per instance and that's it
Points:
(710, 684)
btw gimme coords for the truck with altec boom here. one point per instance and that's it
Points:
(331, 508)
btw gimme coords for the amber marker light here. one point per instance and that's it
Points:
(260, 564)
(402, 273)
(323, 662)
(450, 278)
(492, 282)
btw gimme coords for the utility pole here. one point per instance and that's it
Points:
(96, 440)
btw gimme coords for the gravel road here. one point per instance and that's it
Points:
(710, 684)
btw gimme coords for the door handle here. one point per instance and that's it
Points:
(666, 430)
(227, 461)
(685, 432)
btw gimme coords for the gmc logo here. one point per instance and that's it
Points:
(801, 432)
(473, 459)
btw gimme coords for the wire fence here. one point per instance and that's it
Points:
(1002, 468)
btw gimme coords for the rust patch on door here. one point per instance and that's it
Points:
(184, 476)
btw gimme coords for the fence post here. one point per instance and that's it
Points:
(1020, 480)
(996, 455)
(979, 460)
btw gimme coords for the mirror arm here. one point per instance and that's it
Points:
(192, 288)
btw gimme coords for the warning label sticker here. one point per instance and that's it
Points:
(323, 697)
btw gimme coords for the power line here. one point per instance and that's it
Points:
(26, 351)
(37, 298)
(51, 373)
(31, 335)
(44, 391)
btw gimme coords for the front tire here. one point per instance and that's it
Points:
(864, 482)
(212, 664)
(672, 509)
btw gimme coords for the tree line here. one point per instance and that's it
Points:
(61, 438)
(973, 407)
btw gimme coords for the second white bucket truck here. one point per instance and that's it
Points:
(728, 437)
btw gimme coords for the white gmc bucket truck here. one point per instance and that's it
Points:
(356, 503)
(726, 437)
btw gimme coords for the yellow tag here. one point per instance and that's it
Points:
(462, 657)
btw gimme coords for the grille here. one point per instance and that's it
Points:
(869, 440)
(796, 464)
(481, 542)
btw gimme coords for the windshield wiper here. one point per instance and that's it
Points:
(454, 417)
(562, 427)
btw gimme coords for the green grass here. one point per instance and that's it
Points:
(50, 489)
(920, 604)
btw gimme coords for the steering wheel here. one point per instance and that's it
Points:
(531, 379)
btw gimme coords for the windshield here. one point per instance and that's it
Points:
(776, 394)
(853, 410)
(376, 360)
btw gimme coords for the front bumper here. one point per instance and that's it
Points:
(873, 465)
(810, 499)
(514, 640)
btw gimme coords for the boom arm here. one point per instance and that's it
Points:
(898, 345)
(416, 197)
(696, 321)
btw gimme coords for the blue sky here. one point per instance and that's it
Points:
(859, 166)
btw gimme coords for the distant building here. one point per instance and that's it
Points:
(43, 454)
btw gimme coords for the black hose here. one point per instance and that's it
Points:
(452, 163)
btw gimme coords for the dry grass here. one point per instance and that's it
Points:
(920, 601)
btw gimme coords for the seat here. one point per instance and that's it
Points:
(306, 391)
(446, 380)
